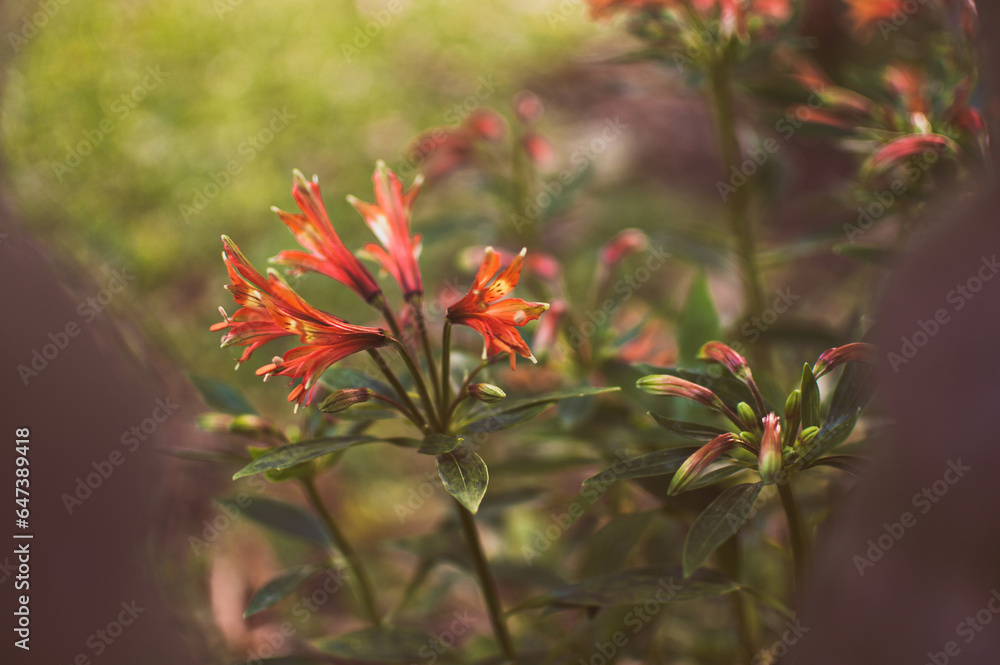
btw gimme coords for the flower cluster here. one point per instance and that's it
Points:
(269, 309)
(759, 437)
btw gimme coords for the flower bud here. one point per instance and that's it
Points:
(747, 416)
(342, 400)
(769, 460)
(486, 392)
(696, 465)
(793, 416)
(833, 358)
(808, 434)
(215, 422)
(720, 353)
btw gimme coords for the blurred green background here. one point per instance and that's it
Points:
(120, 120)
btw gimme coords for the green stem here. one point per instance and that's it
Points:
(447, 406)
(740, 200)
(418, 381)
(486, 582)
(796, 532)
(400, 390)
(359, 576)
(731, 560)
(418, 305)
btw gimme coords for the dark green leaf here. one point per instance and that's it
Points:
(464, 475)
(659, 463)
(658, 583)
(688, 430)
(829, 437)
(286, 457)
(438, 444)
(717, 523)
(221, 396)
(381, 645)
(699, 322)
(279, 588)
(810, 399)
(279, 516)
(515, 412)
(854, 390)
(714, 476)
(850, 463)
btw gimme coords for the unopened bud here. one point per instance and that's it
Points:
(345, 399)
(793, 416)
(747, 415)
(696, 465)
(486, 392)
(769, 461)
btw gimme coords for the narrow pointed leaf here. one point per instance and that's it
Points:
(381, 645)
(515, 412)
(659, 463)
(829, 437)
(338, 378)
(464, 475)
(699, 321)
(279, 516)
(852, 464)
(854, 390)
(692, 431)
(635, 586)
(286, 457)
(279, 588)
(718, 522)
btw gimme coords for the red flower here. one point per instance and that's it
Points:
(483, 310)
(389, 219)
(327, 253)
(270, 309)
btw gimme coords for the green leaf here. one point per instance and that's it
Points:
(338, 378)
(221, 396)
(699, 322)
(718, 522)
(810, 399)
(438, 444)
(659, 463)
(714, 476)
(196, 455)
(854, 390)
(380, 645)
(852, 464)
(279, 516)
(693, 431)
(464, 475)
(515, 412)
(286, 457)
(658, 583)
(279, 588)
(829, 437)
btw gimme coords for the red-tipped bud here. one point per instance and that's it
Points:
(718, 352)
(624, 243)
(899, 150)
(769, 461)
(342, 400)
(696, 465)
(673, 386)
(831, 359)
(528, 107)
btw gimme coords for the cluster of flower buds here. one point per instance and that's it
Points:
(773, 442)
